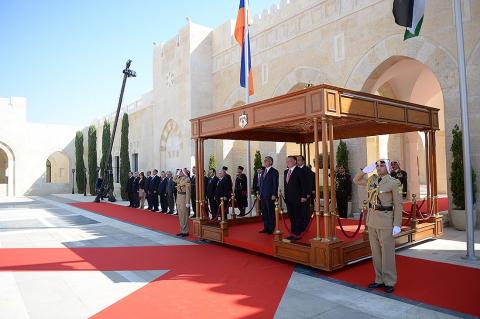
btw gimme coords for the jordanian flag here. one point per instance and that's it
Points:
(409, 14)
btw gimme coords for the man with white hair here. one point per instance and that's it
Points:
(384, 220)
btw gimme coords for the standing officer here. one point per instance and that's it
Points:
(343, 190)
(384, 220)
(401, 175)
(241, 185)
(268, 195)
(183, 200)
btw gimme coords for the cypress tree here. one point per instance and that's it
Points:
(124, 157)
(92, 158)
(257, 162)
(211, 162)
(105, 152)
(457, 182)
(79, 163)
(342, 155)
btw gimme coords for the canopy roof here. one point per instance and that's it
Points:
(290, 117)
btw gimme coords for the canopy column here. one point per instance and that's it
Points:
(326, 211)
(317, 187)
(200, 179)
(333, 203)
(197, 184)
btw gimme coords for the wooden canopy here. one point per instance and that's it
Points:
(289, 117)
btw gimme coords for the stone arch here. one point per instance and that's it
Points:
(300, 75)
(171, 145)
(59, 168)
(7, 165)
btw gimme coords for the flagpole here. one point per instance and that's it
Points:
(467, 166)
(246, 48)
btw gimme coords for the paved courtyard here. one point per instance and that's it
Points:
(49, 222)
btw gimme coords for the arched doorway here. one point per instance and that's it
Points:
(407, 79)
(7, 177)
(57, 168)
(171, 145)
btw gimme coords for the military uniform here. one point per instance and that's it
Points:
(385, 212)
(402, 177)
(343, 189)
(183, 198)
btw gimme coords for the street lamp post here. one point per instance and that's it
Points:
(73, 180)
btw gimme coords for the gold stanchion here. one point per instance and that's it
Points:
(277, 234)
(257, 205)
(223, 223)
(234, 216)
(365, 212)
(414, 220)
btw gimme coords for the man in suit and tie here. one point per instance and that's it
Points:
(241, 185)
(148, 193)
(193, 194)
(229, 181)
(211, 186)
(136, 199)
(309, 182)
(295, 186)
(162, 192)
(268, 195)
(222, 190)
(154, 184)
(170, 193)
(256, 180)
(129, 188)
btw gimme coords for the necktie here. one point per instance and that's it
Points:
(289, 174)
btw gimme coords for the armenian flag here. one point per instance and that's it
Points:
(241, 30)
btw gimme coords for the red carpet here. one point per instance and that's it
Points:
(203, 281)
(435, 283)
(157, 221)
(442, 205)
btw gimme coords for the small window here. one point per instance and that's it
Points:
(135, 162)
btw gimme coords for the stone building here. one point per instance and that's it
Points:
(349, 43)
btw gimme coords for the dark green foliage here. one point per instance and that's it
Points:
(212, 162)
(105, 152)
(124, 157)
(92, 159)
(342, 155)
(257, 162)
(79, 163)
(456, 173)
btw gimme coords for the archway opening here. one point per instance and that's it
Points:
(408, 79)
(3, 173)
(171, 145)
(57, 168)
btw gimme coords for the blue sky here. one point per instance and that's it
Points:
(66, 57)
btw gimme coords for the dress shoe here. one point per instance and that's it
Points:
(389, 289)
(263, 231)
(375, 285)
(185, 235)
(179, 235)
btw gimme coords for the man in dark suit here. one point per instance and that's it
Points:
(295, 186)
(241, 185)
(229, 181)
(162, 192)
(256, 180)
(136, 199)
(129, 188)
(154, 184)
(193, 194)
(268, 195)
(170, 193)
(211, 186)
(148, 193)
(222, 190)
(309, 182)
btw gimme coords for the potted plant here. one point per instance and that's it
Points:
(457, 214)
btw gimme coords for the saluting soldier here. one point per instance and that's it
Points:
(182, 181)
(384, 220)
(401, 175)
(343, 190)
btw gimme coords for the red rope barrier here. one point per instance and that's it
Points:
(356, 231)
